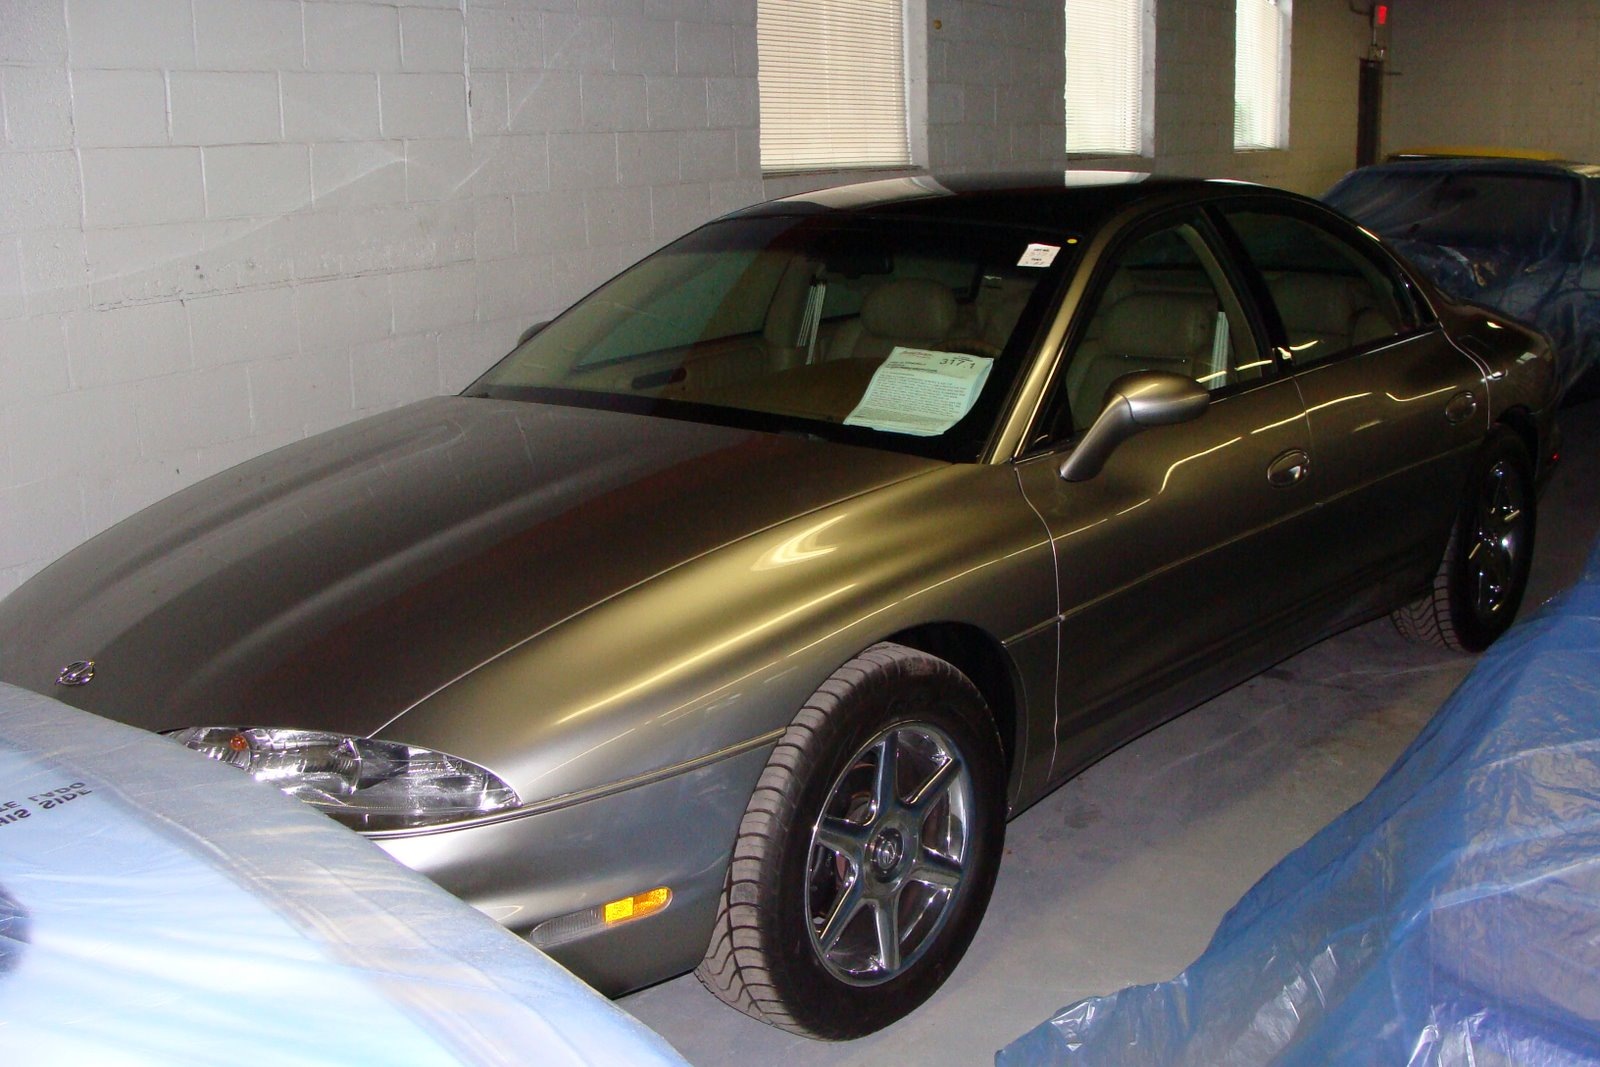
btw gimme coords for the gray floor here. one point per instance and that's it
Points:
(1122, 874)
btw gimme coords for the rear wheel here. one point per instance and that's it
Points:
(1484, 572)
(867, 854)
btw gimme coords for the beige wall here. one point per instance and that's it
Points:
(1501, 73)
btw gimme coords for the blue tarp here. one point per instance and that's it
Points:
(157, 908)
(1452, 917)
(1519, 237)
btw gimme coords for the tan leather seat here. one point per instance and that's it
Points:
(913, 312)
(1165, 331)
(1326, 313)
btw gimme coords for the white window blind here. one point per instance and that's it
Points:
(1109, 75)
(1261, 75)
(833, 84)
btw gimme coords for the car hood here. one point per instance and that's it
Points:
(337, 582)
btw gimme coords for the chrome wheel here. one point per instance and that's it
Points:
(1499, 538)
(868, 850)
(888, 854)
(1480, 581)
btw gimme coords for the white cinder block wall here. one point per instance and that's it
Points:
(226, 224)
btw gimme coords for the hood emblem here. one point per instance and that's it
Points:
(79, 673)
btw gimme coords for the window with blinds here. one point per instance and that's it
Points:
(1110, 76)
(833, 84)
(1261, 75)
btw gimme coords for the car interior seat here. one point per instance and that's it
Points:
(1327, 313)
(1166, 331)
(915, 312)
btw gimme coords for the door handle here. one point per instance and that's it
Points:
(1462, 407)
(1289, 468)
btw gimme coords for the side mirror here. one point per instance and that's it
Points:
(1134, 403)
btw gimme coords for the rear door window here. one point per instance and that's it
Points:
(1330, 296)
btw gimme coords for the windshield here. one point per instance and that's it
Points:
(890, 333)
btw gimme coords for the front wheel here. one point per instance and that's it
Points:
(1484, 572)
(867, 853)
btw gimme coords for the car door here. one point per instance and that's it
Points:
(1177, 559)
(1395, 409)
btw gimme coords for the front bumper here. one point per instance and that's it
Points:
(677, 832)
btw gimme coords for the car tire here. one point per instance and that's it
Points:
(847, 903)
(1484, 573)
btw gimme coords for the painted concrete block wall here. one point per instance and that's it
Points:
(226, 224)
(995, 82)
(1501, 73)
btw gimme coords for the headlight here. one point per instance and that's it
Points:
(365, 784)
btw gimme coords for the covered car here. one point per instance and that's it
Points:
(156, 909)
(725, 621)
(1517, 235)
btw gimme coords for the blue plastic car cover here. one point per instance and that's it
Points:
(156, 908)
(1518, 237)
(1452, 917)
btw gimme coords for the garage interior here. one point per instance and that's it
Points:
(226, 225)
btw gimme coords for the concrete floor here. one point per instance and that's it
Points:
(1121, 875)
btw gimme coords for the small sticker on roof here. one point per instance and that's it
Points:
(921, 392)
(1037, 255)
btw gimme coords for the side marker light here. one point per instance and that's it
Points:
(637, 906)
(565, 929)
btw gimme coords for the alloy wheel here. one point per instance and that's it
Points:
(888, 854)
(1498, 540)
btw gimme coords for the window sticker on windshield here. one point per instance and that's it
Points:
(921, 392)
(1037, 255)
